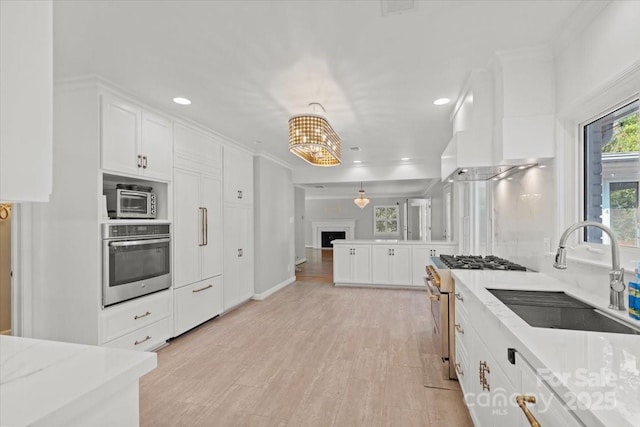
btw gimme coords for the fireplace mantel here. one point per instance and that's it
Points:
(317, 227)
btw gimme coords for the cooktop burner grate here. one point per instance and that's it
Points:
(478, 262)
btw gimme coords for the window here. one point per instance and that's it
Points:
(385, 219)
(611, 175)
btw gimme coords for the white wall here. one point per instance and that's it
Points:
(299, 223)
(323, 209)
(274, 224)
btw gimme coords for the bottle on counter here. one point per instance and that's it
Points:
(634, 295)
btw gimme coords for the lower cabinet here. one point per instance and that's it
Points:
(196, 303)
(141, 324)
(490, 382)
(391, 265)
(352, 264)
(237, 255)
(547, 409)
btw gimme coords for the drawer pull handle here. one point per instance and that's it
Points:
(459, 370)
(202, 289)
(522, 401)
(459, 296)
(459, 328)
(144, 340)
(136, 317)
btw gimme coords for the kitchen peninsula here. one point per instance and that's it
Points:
(53, 383)
(385, 262)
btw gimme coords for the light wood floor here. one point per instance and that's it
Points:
(310, 355)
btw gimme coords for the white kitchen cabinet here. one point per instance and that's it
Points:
(196, 149)
(238, 176)
(352, 264)
(197, 230)
(420, 258)
(549, 410)
(195, 303)
(26, 100)
(134, 141)
(391, 265)
(128, 325)
(238, 255)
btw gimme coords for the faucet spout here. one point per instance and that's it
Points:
(616, 275)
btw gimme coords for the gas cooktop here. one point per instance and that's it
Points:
(478, 262)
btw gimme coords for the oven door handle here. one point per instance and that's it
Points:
(140, 242)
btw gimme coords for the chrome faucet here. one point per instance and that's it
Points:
(616, 275)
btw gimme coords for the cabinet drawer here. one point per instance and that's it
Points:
(462, 327)
(549, 409)
(462, 365)
(146, 338)
(197, 303)
(132, 315)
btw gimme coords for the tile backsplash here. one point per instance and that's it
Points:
(524, 216)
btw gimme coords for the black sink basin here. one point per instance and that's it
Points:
(558, 310)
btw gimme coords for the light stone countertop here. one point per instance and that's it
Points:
(585, 367)
(394, 242)
(42, 381)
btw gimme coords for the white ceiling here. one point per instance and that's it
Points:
(374, 189)
(249, 65)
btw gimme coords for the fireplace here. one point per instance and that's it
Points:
(328, 236)
(331, 225)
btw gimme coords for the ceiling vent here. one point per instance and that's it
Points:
(396, 7)
(354, 148)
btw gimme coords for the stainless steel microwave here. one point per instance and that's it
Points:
(130, 204)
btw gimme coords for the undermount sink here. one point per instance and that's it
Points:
(558, 310)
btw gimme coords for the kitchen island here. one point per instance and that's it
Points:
(577, 377)
(385, 262)
(50, 383)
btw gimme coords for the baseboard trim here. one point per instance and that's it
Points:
(370, 285)
(6, 332)
(276, 288)
(300, 261)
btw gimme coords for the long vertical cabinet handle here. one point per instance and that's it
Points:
(206, 227)
(201, 237)
(139, 161)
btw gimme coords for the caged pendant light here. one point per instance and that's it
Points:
(361, 200)
(312, 138)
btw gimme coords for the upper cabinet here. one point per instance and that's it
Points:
(238, 176)
(26, 100)
(195, 149)
(134, 141)
(524, 117)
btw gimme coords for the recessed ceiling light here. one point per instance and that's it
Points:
(357, 161)
(521, 167)
(542, 166)
(450, 180)
(510, 178)
(442, 101)
(464, 170)
(495, 179)
(405, 158)
(182, 101)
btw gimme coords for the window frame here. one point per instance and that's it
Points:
(397, 220)
(627, 252)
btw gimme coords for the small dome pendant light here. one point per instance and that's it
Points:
(361, 200)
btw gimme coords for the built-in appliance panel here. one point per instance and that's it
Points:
(196, 303)
(129, 316)
(145, 338)
(160, 189)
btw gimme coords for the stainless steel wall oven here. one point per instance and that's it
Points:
(136, 260)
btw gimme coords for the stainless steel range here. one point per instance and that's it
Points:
(441, 289)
